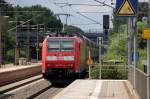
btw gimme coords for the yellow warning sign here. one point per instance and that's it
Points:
(89, 61)
(146, 33)
(126, 9)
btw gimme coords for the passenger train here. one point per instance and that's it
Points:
(67, 56)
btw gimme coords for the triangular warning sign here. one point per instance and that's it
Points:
(126, 9)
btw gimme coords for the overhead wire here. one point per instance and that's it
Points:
(61, 7)
(85, 16)
(79, 13)
(95, 12)
(85, 24)
(58, 6)
(22, 24)
(76, 4)
(104, 4)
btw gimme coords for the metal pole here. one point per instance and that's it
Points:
(135, 51)
(63, 30)
(66, 19)
(129, 42)
(16, 46)
(37, 46)
(148, 56)
(28, 44)
(0, 39)
(148, 67)
(100, 43)
(129, 46)
(44, 28)
(0, 44)
(89, 71)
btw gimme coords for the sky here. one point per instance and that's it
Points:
(76, 19)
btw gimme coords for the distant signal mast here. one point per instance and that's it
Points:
(64, 14)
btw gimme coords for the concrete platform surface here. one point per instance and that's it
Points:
(18, 67)
(98, 89)
(14, 74)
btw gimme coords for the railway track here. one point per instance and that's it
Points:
(12, 75)
(23, 83)
(34, 87)
(47, 93)
(8, 87)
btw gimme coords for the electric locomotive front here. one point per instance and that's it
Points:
(59, 56)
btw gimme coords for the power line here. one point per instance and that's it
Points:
(95, 12)
(79, 13)
(86, 24)
(66, 14)
(104, 4)
(56, 5)
(89, 18)
(22, 24)
(19, 25)
(85, 16)
(77, 4)
(23, 11)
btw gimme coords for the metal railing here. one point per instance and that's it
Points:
(141, 84)
(109, 71)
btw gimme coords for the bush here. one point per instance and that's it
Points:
(9, 56)
(111, 72)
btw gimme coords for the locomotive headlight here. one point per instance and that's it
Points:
(71, 58)
(49, 58)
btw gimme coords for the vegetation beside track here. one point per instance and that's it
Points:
(110, 71)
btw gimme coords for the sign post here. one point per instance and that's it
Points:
(146, 35)
(128, 8)
(129, 41)
(89, 62)
(100, 56)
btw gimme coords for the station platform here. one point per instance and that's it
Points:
(98, 89)
(11, 67)
(12, 73)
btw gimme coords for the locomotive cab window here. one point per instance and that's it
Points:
(53, 45)
(67, 45)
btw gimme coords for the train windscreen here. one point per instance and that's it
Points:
(53, 45)
(67, 45)
(63, 45)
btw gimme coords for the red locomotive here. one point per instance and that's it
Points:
(66, 56)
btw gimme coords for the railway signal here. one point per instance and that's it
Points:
(105, 27)
(105, 21)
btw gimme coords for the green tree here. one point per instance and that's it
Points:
(141, 41)
(117, 46)
(143, 10)
(37, 14)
